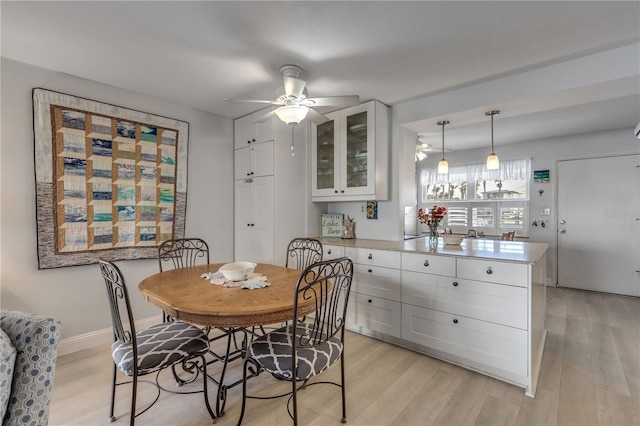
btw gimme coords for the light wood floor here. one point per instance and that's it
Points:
(590, 376)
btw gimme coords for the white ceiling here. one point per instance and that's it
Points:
(198, 52)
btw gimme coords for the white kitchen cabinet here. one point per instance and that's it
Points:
(254, 219)
(247, 131)
(350, 155)
(376, 292)
(254, 161)
(266, 177)
(332, 252)
(483, 343)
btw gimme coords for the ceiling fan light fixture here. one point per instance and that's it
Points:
(443, 165)
(420, 155)
(493, 162)
(292, 114)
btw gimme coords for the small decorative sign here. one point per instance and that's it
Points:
(541, 176)
(372, 210)
(331, 225)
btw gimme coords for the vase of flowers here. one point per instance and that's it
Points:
(432, 218)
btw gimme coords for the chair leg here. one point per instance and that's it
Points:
(344, 392)
(294, 386)
(134, 392)
(112, 418)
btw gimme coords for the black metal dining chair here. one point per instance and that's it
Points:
(138, 353)
(302, 350)
(302, 252)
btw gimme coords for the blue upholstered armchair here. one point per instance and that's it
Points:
(28, 349)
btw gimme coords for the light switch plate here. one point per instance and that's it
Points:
(545, 211)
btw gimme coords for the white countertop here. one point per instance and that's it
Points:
(510, 251)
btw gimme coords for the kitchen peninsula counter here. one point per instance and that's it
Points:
(507, 251)
(480, 304)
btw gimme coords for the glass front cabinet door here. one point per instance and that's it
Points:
(350, 154)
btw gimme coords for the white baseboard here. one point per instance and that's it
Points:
(98, 337)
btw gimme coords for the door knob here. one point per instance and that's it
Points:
(563, 231)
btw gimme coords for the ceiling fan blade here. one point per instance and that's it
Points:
(293, 86)
(316, 117)
(339, 101)
(259, 101)
(265, 117)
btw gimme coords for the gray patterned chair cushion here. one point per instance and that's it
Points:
(7, 362)
(159, 346)
(35, 338)
(273, 352)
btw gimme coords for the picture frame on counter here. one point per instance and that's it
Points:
(330, 225)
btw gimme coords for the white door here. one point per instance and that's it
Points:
(598, 224)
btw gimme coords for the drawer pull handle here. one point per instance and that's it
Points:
(370, 270)
(426, 262)
(370, 256)
(455, 321)
(489, 270)
(455, 283)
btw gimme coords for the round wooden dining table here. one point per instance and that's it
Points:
(185, 295)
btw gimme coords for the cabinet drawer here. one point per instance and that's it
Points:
(374, 313)
(494, 271)
(383, 258)
(494, 345)
(332, 252)
(429, 264)
(496, 303)
(377, 281)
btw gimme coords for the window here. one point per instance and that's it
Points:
(491, 202)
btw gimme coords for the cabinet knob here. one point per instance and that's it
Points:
(342, 191)
(336, 191)
(251, 172)
(329, 251)
(489, 270)
(252, 224)
(248, 224)
(370, 256)
(253, 140)
(370, 300)
(248, 141)
(455, 320)
(455, 283)
(248, 174)
(369, 270)
(426, 262)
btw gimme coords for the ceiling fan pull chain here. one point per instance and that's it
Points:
(293, 153)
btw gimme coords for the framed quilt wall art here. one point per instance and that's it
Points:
(111, 182)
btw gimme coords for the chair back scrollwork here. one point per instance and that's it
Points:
(302, 252)
(182, 253)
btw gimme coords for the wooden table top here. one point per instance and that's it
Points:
(183, 294)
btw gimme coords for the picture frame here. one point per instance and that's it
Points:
(330, 225)
(111, 182)
(541, 176)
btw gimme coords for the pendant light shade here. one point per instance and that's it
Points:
(493, 162)
(292, 114)
(443, 165)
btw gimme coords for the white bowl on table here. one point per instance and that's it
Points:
(452, 240)
(237, 271)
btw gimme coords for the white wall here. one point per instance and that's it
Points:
(76, 295)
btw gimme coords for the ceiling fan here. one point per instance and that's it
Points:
(423, 148)
(293, 100)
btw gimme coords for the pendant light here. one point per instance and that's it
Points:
(493, 163)
(443, 166)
